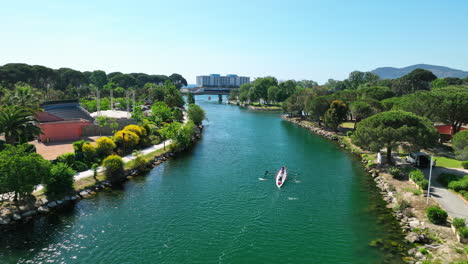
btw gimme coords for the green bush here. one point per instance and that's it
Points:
(60, 180)
(395, 172)
(105, 146)
(418, 177)
(465, 164)
(436, 215)
(446, 178)
(349, 133)
(458, 222)
(463, 232)
(80, 166)
(460, 185)
(423, 251)
(67, 158)
(139, 163)
(114, 167)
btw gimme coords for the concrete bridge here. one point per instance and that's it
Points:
(219, 91)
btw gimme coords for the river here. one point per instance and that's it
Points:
(214, 205)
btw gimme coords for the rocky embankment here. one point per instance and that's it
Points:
(417, 231)
(10, 216)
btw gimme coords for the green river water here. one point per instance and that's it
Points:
(212, 204)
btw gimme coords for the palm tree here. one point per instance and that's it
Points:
(24, 96)
(18, 124)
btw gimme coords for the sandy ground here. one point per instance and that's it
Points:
(51, 151)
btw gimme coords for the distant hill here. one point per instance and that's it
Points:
(439, 71)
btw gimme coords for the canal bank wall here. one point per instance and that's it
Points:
(428, 242)
(14, 216)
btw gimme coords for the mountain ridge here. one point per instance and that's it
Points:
(439, 71)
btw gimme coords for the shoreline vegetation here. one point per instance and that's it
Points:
(89, 186)
(428, 242)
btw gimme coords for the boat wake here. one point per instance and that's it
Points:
(262, 179)
(292, 198)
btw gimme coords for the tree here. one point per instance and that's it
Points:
(460, 145)
(172, 96)
(23, 96)
(160, 111)
(185, 134)
(21, 170)
(126, 140)
(196, 114)
(105, 146)
(296, 103)
(190, 98)
(360, 110)
(169, 131)
(260, 87)
(98, 78)
(418, 79)
(439, 83)
(286, 89)
(307, 83)
(376, 92)
(178, 80)
(60, 180)
(18, 124)
(393, 128)
(123, 80)
(317, 107)
(273, 92)
(335, 114)
(114, 167)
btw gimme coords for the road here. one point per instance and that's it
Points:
(452, 203)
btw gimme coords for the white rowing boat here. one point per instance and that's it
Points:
(281, 177)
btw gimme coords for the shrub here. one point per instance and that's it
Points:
(458, 222)
(465, 164)
(140, 131)
(114, 167)
(196, 114)
(436, 215)
(131, 139)
(89, 152)
(139, 163)
(395, 172)
(423, 251)
(105, 146)
(446, 178)
(460, 185)
(77, 145)
(402, 205)
(460, 144)
(67, 158)
(418, 177)
(80, 166)
(463, 232)
(349, 133)
(60, 180)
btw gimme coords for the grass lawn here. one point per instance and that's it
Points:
(447, 162)
(347, 125)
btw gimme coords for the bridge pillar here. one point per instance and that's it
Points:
(220, 98)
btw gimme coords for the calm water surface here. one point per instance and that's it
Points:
(214, 205)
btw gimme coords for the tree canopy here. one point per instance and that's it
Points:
(393, 128)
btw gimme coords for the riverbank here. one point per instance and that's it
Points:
(430, 243)
(84, 187)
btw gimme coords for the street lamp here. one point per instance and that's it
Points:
(429, 185)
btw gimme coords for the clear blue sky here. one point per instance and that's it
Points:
(287, 39)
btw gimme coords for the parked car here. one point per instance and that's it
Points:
(419, 159)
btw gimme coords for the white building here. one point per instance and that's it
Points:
(216, 80)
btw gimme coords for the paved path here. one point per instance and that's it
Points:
(452, 203)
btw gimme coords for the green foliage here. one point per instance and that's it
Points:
(395, 172)
(465, 164)
(349, 133)
(177, 115)
(114, 167)
(137, 114)
(172, 96)
(98, 78)
(89, 152)
(80, 166)
(376, 92)
(105, 146)
(317, 107)
(161, 111)
(196, 114)
(360, 110)
(402, 205)
(17, 124)
(423, 251)
(439, 83)
(21, 170)
(67, 158)
(418, 79)
(335, 114)
(185, 134)
(60, 181)
(139, 130)
(190, 98)
(126, 139)
(139, 163)
(459, 185)
(458, 222)
(418, 177)
(390, 129)
(460, 145)
(296, 103)
(463, 232)
(436, 215)
(446, 178)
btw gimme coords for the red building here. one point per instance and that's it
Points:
(446, 132)
(62, 121)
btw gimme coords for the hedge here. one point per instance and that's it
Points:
(436, 215)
